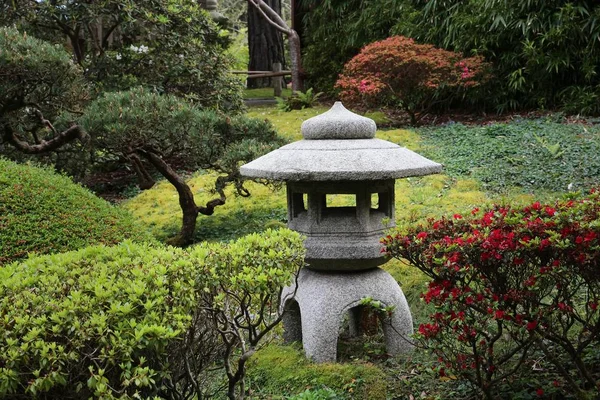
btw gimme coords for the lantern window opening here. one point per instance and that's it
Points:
(375, 201)
(382, 202)
(339, 200)
(299, 202)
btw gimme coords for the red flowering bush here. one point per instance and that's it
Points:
(399, 72)
(507, 282)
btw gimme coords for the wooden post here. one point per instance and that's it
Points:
(277, 80)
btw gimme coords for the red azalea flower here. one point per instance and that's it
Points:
(531, 325)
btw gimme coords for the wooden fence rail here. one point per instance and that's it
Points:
(275, 73)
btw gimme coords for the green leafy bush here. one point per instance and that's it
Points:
(544, 54)
(336, 30)
(170, 45)
(401, 73)
(510, 282)
(245, 279)
(35, 72)
(97, 322)
(298, 100)
(42, 212)
(38, 82)
(139, 320)
(535, 155)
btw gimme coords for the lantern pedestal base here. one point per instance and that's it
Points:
(315, 310)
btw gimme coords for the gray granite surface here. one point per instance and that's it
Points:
(322, 299)
(338, 123)
(339, 145)
(331, 160)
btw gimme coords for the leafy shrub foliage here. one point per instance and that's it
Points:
(42, 212)
(93, 322)
(509, 282)
(138, 321)
(336, 30)
(172, 46)
(244, 280)
(38, 82)
(399, 72)
(544, 53)
(298, 100)
(535, 155)
(36, 72)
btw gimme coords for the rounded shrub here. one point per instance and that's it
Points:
(401, 73)
(42, 212)
(94, 322)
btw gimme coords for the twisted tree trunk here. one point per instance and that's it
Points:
(186, 199)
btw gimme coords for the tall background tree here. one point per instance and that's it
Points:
(265, 44)
(275, 20)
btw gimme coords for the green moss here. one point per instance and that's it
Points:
(287, 123)
(277, 371)
(42, 212)
(158, 208)
(533, 156)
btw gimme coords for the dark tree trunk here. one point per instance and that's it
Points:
(298, 13)
(145, 180)
(186, 199)
(265, 44)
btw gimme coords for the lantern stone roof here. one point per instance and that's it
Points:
(339, 145)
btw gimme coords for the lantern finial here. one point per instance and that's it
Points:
(338, 123)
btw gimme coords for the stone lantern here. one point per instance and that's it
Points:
(340, 156)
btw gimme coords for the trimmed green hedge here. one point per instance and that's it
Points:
(136, 320)
(91, 322)
(42, 212)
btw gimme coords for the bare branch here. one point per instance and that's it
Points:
(45, 122)
(62, 138)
